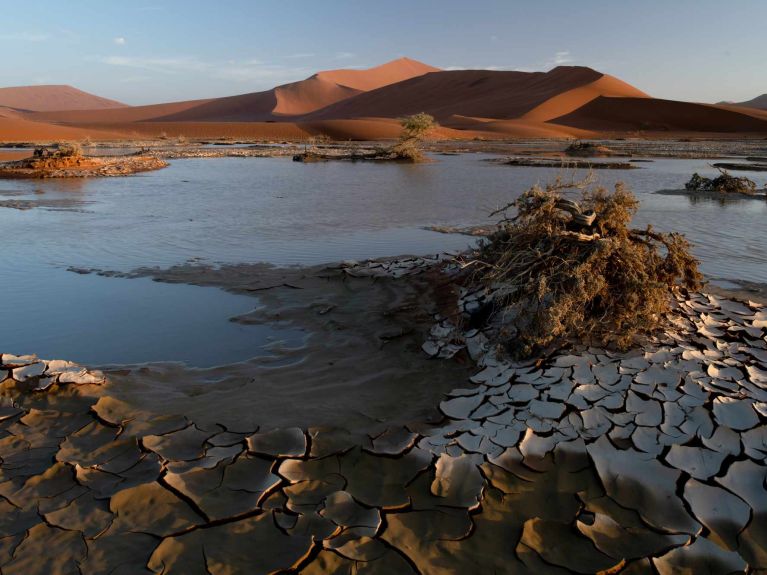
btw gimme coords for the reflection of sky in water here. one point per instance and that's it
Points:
(96, 320)
(272, 209)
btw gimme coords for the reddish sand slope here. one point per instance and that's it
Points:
(294, 99)
(117, 115)
(474, 93)
(300, 98)
(571, 100)
(655, 115)
(49, 98)
(18, 130)
(379, 76)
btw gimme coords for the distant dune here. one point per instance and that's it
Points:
(565, 102)
(50, 98)
(760, 103)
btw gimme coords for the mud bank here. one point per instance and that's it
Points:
(80, 167)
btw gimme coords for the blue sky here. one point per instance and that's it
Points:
(148, 51)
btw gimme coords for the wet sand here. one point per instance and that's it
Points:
(360, 367)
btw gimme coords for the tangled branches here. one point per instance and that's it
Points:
(559, 269)
(724, 183)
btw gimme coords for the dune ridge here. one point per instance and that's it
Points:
(565, 102)
(760, 103)
(53, 97)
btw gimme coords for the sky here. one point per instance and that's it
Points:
(150, 51)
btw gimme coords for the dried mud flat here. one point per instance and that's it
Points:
(589, 460)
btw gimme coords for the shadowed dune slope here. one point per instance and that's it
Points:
(280, 103)
(383, 75)
(300, 98)
(473, 93)
(571, 100)
(50, 98)
(649, 114)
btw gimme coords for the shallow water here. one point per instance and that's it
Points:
(272, 209)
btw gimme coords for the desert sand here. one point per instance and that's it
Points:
(47, 98)
(565, 102)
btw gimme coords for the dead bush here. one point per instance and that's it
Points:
(563, 270)
(723, 183)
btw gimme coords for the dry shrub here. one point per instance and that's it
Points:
(723, 183)
(414, 129)
(68, 150)
(554, 279)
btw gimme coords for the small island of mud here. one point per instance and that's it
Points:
(68, 161)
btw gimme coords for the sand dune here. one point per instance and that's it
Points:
(117, 115)
(760, 103)
(294, 99)
(379, 76)
(518, 128)
(566, 102)
(49, 98)
(475, 93)
(655, 115)
(19, 130)
(571, 100)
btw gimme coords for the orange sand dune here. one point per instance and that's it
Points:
(520, 128)
(294, 99)
(117, 115)
(754, 112)
(299, 98)
(18, 130)
(381, 129)
(379, 76)
(49, 98)
(10, 112)
(571, 100)
(654, 115)
(566, 102)
(476, 93)
(201, 130)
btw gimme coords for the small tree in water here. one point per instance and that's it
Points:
(414, 128)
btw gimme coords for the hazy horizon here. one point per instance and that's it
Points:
(167, 50)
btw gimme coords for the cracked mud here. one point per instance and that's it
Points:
(650, 461)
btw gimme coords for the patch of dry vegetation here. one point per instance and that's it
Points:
(723, 183)
(561, 269)
(414, 129)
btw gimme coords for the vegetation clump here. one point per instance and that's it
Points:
(580, 148)
(559, 269)
(414, 129)
(723, 183)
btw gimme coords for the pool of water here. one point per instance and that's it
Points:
(274, 210)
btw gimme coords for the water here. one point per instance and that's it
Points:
(233, 210)
(95, 320)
